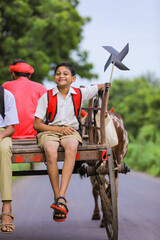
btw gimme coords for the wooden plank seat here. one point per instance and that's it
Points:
(27, 151)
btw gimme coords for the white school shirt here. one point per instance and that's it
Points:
(65, 109)
(11, 115)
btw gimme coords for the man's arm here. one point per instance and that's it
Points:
(8, 132)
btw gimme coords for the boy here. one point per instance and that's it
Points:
(62, 128)
(26, 93)
(8, 118)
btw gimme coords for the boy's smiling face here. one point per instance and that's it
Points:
(63, 77)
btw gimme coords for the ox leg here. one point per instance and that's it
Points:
(102, 223)
(95, 192)
(96, 212)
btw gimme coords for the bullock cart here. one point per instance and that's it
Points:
(27, 151)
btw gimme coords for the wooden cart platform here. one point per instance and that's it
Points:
(27, 151)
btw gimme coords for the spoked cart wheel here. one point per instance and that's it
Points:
(109, 195)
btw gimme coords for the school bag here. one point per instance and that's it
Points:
(52, 105)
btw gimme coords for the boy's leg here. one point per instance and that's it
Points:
(70, 146)
(51, 148)
(6, 179)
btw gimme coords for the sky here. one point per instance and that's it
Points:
(116, 23)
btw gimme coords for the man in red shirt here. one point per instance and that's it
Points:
(26, 93)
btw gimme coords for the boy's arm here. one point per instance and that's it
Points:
(41, 127)
(8, 132)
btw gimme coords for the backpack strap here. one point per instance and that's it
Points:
(52, 106)
(77, 98)
(2, 108)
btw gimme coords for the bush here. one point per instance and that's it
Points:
(144, 157)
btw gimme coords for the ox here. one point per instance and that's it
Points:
(120, 151)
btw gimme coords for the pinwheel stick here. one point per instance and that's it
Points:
(107, 87)
(112, 71)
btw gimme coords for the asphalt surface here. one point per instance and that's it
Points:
(139, 210)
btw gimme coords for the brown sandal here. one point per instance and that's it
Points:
(7, 224)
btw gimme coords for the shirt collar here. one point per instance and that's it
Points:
(71, 91)
(55, 91)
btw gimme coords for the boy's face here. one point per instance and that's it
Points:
(63, 77)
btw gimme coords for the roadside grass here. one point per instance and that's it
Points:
(144, 157)
(20, 167)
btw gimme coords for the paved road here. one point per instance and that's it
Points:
(139, 210)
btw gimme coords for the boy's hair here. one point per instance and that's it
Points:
(20, 73)
(67, 65)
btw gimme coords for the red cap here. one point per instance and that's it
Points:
(21, 67)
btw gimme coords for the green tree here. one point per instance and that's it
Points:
(137, 101)
(43, 33)
(153, 114)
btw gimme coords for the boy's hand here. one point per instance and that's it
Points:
(67, 130)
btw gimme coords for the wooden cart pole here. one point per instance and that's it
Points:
(90, 105)
(103, 110)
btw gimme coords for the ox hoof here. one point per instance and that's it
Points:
(102, 224)
(96, 216)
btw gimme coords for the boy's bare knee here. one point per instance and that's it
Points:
(51, 149)
(50, 153)
(72, 148)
